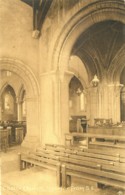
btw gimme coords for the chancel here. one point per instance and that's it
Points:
(62, 95)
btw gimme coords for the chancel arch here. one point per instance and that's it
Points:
(79, 23)
(69, 43)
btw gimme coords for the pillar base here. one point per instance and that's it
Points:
(30, 143)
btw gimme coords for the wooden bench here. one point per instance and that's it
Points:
(114, 141)
(41, 160)
(103, 167)
(61, 149)
(100, 166)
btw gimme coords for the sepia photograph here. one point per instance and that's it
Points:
(62, 97)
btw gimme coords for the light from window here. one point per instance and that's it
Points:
(82, 101)
(9, 73)
(70, 103)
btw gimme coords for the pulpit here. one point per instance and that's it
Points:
(78, 124)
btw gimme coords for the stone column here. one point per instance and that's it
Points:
(49, 108)
(32, 139)
(123, 104)
(116, 110)
(19, 110)
(1, 110)
(54, 107)
(64, 104)
(110, 102)
(93, 92)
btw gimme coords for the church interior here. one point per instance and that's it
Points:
(62, 97)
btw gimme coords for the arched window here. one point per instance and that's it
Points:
(77, 97)
(82, 101)
(9, 103)
(9, 106)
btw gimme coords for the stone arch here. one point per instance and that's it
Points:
(78, 23)
(21, 93)
(8, 82)
(24, 72)
(115, 71)
(78, 68)
(4, 87)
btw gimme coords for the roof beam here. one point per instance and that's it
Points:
(40, 10)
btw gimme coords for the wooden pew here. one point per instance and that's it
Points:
(61, 150)
(41, 160)
(102, 167)
(94, 173)
(4, 135)
(116, 141)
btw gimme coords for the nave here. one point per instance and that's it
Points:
(62, 82)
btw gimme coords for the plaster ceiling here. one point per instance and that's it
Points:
(100, 44)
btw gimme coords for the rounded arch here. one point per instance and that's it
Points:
(84, 18)
(24, 72)
(78, 68)
(115, 71)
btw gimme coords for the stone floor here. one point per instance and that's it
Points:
(37, 181)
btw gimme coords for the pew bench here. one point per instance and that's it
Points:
(107, 171)
(103, 167)
(41, 160)
(111, 141)
(100, 166)
(59, 149)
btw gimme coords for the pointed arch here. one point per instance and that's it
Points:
(24, 72)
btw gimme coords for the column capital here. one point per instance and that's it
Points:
(58, 75)
(66, 75)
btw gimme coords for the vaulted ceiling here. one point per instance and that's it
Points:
(100, 44)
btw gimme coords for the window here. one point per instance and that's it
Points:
(9, 103)
(82, 101)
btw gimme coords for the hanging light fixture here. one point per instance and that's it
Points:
(95, 81)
